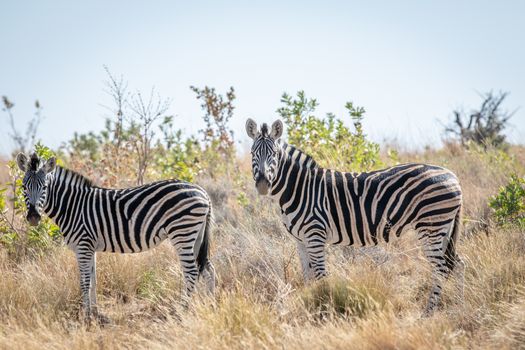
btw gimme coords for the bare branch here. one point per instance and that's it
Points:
(484, 126)
(144, 114)
(23, 141)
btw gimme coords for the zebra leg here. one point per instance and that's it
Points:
(101, 318)
(209, 276)
(86, 260)
(189, 267)
(439, 275)
(207, 271)
(456, 264)
(93, 286)
(460, 267)
(434, 250)
(305, 261)
(317, 257)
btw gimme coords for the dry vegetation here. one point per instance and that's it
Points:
(372, 300)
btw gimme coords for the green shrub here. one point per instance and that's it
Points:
(151, 286)
(218, 155)
(15, 234)
(44, 152)
(7, 234)
(242, 199)
(509, 203)
(86, 145)
(174, 156)
(328, 139)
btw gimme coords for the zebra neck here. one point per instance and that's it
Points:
(66, 194)
(295, 167)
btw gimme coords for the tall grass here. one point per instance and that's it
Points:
(372, 299)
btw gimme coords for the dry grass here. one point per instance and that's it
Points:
(372, 299)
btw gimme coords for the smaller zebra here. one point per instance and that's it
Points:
(322, 206)
(94, 219)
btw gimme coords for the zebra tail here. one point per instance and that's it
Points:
(202, 257)
(450, 253)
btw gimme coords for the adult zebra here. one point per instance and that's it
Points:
(323, 206)
(131, 220)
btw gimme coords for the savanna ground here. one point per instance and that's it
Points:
(372, 299)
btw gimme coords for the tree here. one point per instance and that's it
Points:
(483, 126)
(118, 90)
(125, 145)
(145, 113)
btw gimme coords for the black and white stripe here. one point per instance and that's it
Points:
(132, 220)
(324, 206)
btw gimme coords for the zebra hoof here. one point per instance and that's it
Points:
(102, 319)
(429, 311)
(99, 318)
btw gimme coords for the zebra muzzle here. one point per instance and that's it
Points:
(33, 218)
(262, 186)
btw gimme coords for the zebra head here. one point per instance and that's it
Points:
(265, 153)
(35, 184)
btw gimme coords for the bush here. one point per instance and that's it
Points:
(328, 139)
(15, 234)
(175, 157)
(509, 203)
(7, 233)
(218, 143)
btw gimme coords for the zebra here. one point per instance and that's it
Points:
(131, 220)
(323, 206)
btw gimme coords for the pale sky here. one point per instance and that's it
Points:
(409, 63)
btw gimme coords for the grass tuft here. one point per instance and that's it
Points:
(334, 297)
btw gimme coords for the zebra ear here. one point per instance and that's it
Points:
(277, 129)
(251, 128)
(21, 160)
(50, 165)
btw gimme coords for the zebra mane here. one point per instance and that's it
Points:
(264, 130)
(83, 180)
(34, 162)
(290, 150)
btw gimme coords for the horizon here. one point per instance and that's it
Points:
(402, 62)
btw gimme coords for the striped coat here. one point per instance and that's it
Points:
(323, 206)
(94, 219)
